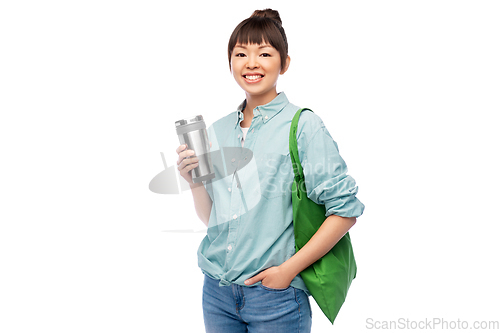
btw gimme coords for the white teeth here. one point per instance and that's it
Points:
(253, 77)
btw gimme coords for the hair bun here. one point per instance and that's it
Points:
(268, 13)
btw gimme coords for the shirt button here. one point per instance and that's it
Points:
(229, 247)
(233, 160)
(238, 136)
(229, 189)
(235, 216)
(265, 117)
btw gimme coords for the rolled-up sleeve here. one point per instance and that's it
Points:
(325, 172)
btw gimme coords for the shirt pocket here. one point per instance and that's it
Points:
(275, 174)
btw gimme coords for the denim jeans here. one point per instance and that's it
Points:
(256, 309)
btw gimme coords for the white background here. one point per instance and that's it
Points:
(89, 94)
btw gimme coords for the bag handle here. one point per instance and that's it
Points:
(292, 142)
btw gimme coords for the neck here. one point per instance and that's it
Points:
(253, 101)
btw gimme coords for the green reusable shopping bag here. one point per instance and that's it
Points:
(329, 278)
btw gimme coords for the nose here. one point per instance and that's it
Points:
(252, 63)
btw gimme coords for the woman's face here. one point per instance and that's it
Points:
(256, 68)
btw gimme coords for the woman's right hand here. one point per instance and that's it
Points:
(187, 162)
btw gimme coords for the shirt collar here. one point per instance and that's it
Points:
(267, 111)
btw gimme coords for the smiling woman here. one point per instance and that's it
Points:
(252, 281)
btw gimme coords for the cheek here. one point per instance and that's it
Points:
(235, 67)
(274, 67)
(235, 74)
(274, 72)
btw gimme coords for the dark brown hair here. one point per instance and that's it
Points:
(261, 26)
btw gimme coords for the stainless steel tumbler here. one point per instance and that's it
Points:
(193, 132)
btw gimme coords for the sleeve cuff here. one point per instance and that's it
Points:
(346, 207)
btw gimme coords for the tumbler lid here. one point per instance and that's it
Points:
(189, 120)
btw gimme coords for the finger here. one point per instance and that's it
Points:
(184, 155)
(189, 167)
(210, 144)
(188, 162)
(193, 165)
(254, 279)
(180, 148)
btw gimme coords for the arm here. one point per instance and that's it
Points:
(330, 232)
(202, 202)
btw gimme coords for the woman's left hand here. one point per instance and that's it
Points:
(273, 277)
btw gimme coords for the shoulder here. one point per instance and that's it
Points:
(225, 122)
(310, 128)
(222, 125)
(309, 123)
(219, 130)
(308, 118)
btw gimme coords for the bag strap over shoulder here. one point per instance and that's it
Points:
(292, 142)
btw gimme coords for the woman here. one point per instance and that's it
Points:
(252, 281)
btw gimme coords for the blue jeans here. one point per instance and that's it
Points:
(256, 309)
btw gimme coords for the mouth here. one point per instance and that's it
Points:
(253, 78)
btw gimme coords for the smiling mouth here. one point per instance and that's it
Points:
(253, 77)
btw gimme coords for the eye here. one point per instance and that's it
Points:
(265, 55)
(239, 55)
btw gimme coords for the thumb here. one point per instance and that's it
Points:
(255, 279)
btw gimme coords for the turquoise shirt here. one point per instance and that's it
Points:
(251, 222)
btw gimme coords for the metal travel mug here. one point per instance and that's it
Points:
(193, 132)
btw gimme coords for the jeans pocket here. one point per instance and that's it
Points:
(274, 289)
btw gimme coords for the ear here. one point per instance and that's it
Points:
(287, 63)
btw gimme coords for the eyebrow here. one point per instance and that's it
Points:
(244, 47)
